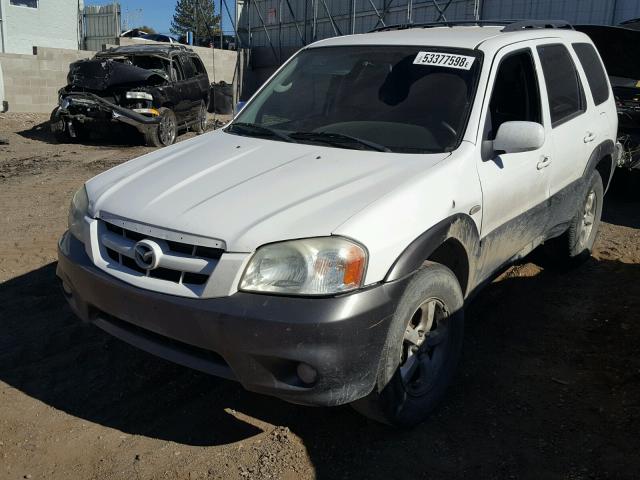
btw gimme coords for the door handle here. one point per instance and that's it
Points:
(544, 163)
(590, 137)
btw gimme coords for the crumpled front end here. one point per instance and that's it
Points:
(105, 90)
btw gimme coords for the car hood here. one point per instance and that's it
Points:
(249, 191)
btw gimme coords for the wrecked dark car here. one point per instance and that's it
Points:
(620, 51)
(158, 89)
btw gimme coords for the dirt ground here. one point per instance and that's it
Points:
(548, 386)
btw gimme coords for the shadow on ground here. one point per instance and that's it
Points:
(548, 386)
(105, 136)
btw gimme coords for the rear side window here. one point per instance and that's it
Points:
(592, 66)
(189, 68)
(566, 96)
(200, 70)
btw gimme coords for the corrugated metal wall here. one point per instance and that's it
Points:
(101, 25)
(604, 12)
(281, 23)
(333, 17)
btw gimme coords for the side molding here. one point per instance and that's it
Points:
(460, 227)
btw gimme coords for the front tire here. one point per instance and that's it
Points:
(165, 132)
(422, 350)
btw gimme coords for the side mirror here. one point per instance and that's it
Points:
(516, 137)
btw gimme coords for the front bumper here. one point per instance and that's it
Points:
(103, 110)
(258, 340)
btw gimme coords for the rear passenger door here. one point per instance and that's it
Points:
(598, 83)
(574, 128)
(191, 88)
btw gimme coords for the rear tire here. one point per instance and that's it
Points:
(421, 352)
(165, 132)
(574, 247)
(201, 123)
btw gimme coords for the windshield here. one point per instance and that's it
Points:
(390, 98)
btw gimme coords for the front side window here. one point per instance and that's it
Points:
(402, 99)
(564, 89)
(188, 67)
(24, 3)
(515, 95)
(594, 71)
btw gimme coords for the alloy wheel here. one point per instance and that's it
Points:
(424, 347)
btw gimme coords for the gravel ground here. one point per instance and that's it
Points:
(548, 386)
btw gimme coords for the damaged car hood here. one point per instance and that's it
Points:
(248, 191)
(103, 73)
(618, 47)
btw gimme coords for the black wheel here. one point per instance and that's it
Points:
(59, 128)
(422, 350)
(201, 124)
(165, 132)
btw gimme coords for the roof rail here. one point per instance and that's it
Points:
(535, 24)
(509, 25)
(478, 23)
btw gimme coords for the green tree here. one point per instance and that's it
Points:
(197, 16)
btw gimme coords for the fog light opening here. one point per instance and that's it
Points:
(307, 373)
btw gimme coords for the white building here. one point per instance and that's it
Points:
(45, 23)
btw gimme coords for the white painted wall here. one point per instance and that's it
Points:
(53, 24)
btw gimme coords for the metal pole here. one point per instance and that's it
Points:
(220, 26)
(353, 17)
(306, 19)
(280, 31)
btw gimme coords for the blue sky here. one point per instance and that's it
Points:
(158, 13)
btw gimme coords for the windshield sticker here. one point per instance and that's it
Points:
(448, 60)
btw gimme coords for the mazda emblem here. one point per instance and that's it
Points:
(147, 254)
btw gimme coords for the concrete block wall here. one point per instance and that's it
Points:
(31, 82)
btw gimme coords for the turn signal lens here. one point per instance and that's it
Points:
(314, 266)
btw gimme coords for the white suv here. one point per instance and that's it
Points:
(322, 247)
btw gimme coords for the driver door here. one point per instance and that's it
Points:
(515, 186)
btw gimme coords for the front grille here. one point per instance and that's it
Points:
(190, 264)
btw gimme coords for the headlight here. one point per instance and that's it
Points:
(139, 96)
(314, 266)
(77, 212)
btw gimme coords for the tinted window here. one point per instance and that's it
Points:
(189, 68)
(25, 3)
(566, 96)
(197, 63)
(515, 95)
(176, 72)
(592, 66)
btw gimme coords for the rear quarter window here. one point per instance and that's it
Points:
(564, 89)
(594, 71)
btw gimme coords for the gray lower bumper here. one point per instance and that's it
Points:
(258, 340)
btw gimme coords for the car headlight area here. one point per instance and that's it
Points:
(77, 211)
(313, 266)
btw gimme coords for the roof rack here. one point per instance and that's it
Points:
(537, 24)
(509, 25)
(478, 23)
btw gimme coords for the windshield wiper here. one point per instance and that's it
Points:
(260, 130)
(337, 139)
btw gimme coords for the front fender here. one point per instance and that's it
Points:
(459, 227)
